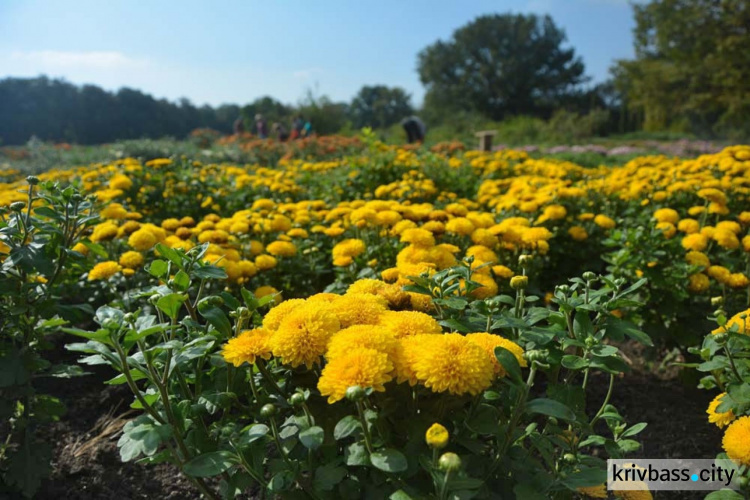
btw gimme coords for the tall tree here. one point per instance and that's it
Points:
(379, 106)
(500, 65)
(692, 64)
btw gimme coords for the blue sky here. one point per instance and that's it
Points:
(235, 51)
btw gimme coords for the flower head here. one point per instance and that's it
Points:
(361, 366)
(437, 436)
(736, 441)
(247, 346)
(104, 270)
(720, 419)
(302, 336)
(451, 363)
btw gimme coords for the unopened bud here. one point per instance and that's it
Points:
(33, 180)
(355, 393)
(519, 282)
(589, 276)
(449, 462)
(268, 410)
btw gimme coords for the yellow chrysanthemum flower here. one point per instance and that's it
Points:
(408, 323)
(131, 260)
(720, 419)
(604, 222)
(355, 336)
(302, 337)
(488, 342)
(437, 436)
(451, 363)
(736, 441)
(104, 270)
(142, 240)
(598, 491)
(247, 346)
(358, 309)
(360, 366)
(274, 317)
(282, 249)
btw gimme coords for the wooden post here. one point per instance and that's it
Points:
(485, 139)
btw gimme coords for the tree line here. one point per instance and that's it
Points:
(691, 73)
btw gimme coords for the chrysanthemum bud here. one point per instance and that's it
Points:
(589, 276)
(17, 206)
(437, 436)
(721, 338)
(297, 399)
(564, 289)
(33, 180)
(717, 301)
(268, 410)
(519, 282)
(570, 458)
(355, 393)
(525, 260)
(449, 462)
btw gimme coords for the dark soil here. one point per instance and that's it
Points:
(86, 464)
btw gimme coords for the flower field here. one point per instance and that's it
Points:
(370, 321)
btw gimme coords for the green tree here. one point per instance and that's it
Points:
(271, 109)
(692, 65)
(500, 65)
(378, 106)
(325, 116)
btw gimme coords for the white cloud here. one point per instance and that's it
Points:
(306, 74)
(94, 60)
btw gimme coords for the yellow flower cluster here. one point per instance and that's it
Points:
(362, 341)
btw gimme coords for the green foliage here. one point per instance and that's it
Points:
(265, 425)
(36, 239)
(691, 66)
(501, 65)
(379, 106)
(56, 110)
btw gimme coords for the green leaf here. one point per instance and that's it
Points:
(509, 362)
(621, 327)
(216, 317)
(573, 362)
(633, 430)
(389, 460)
(150, 399)
(171, 304)
(346, 427)
(12, 370)
(158, 268)
(400, 495)
(170, 253)
(582, 326)
(485, 420)
(551, 408)
(724, 495)
(99, 335)
(252, 433)
(328, 476)
(209, 272)
(312, 438)
(210, 464)
(96, 248)
(585, 477)
(66, 371)
(356, 454)
(181, 280)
